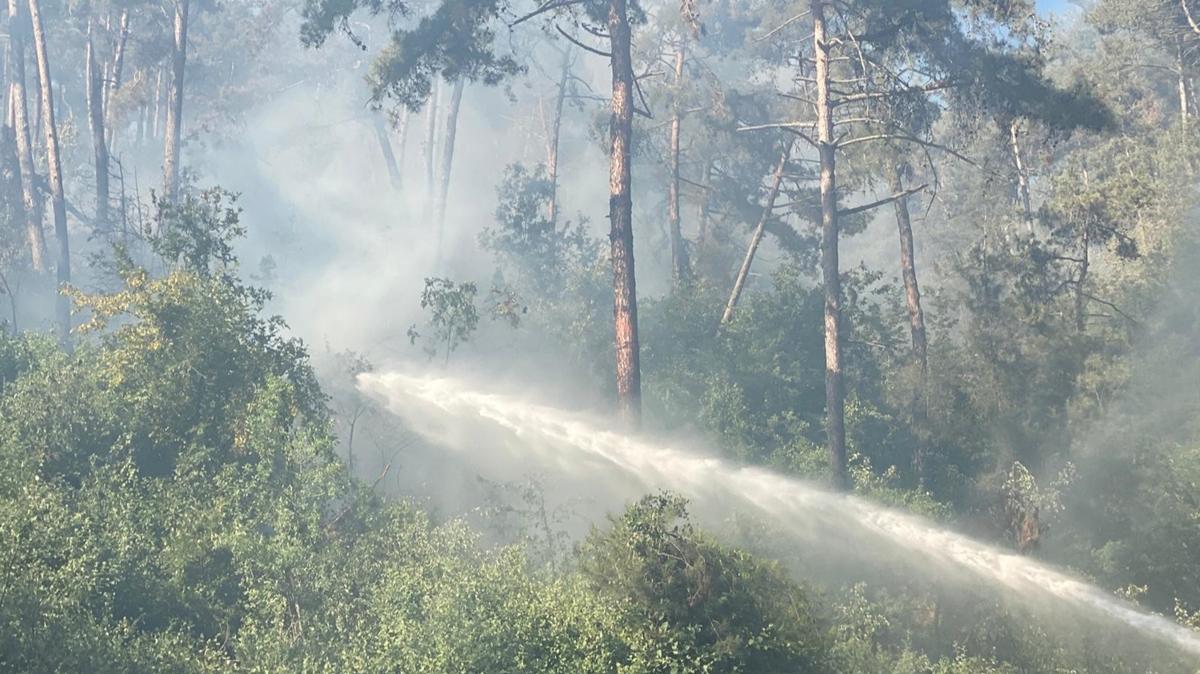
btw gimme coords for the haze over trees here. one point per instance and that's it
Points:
(938, 254)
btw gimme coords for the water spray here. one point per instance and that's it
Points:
(803, 508)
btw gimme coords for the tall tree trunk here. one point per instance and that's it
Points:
(1080, 284)
(835, 396)
(118, 67)
(703, 219)
(141, 124)
(385, 147)
(155, 124)
(95, 103)
(908, 269)
(552, 138)
(620, 214)
(54, 172)
(739, 282)
(450, 131)
(8, 78)
(39, 130)
(916, 315)
(1182, 85)
(18, 26)
(430, 149)
(10, 175)
(10, 186)
(1014, 135)
(1085, 264)
(402, 140)
(681, 269)
(174, 128)
(1189, 84)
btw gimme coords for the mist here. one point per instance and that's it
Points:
(749, 336)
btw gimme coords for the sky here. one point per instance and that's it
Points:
(1053, 5)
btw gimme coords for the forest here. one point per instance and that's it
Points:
(324, 346)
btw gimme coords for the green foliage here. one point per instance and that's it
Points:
(557, 269)
(536, 254)
(452, 315)
(253, 550)
(170, 498)
(687, 603)
(197, 234)
(457, 40)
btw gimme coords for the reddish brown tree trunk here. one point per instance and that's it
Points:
(835, 396)
(54, 173)
(620, 213)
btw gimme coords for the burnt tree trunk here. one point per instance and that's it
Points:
(739, 282)
(95, 104)
(174, 127)
(620, 213)
(54, 173)
(681, 269)
(449, 132)
(18, 27)
(835, 396)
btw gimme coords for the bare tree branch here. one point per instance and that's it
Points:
(777, 125)
(911, 139)
(805, 137)
(880, 202)
(783, 25)
(856, 98)
(581, 45)
(1188, 13)
(549, 6)
(1114, 307)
